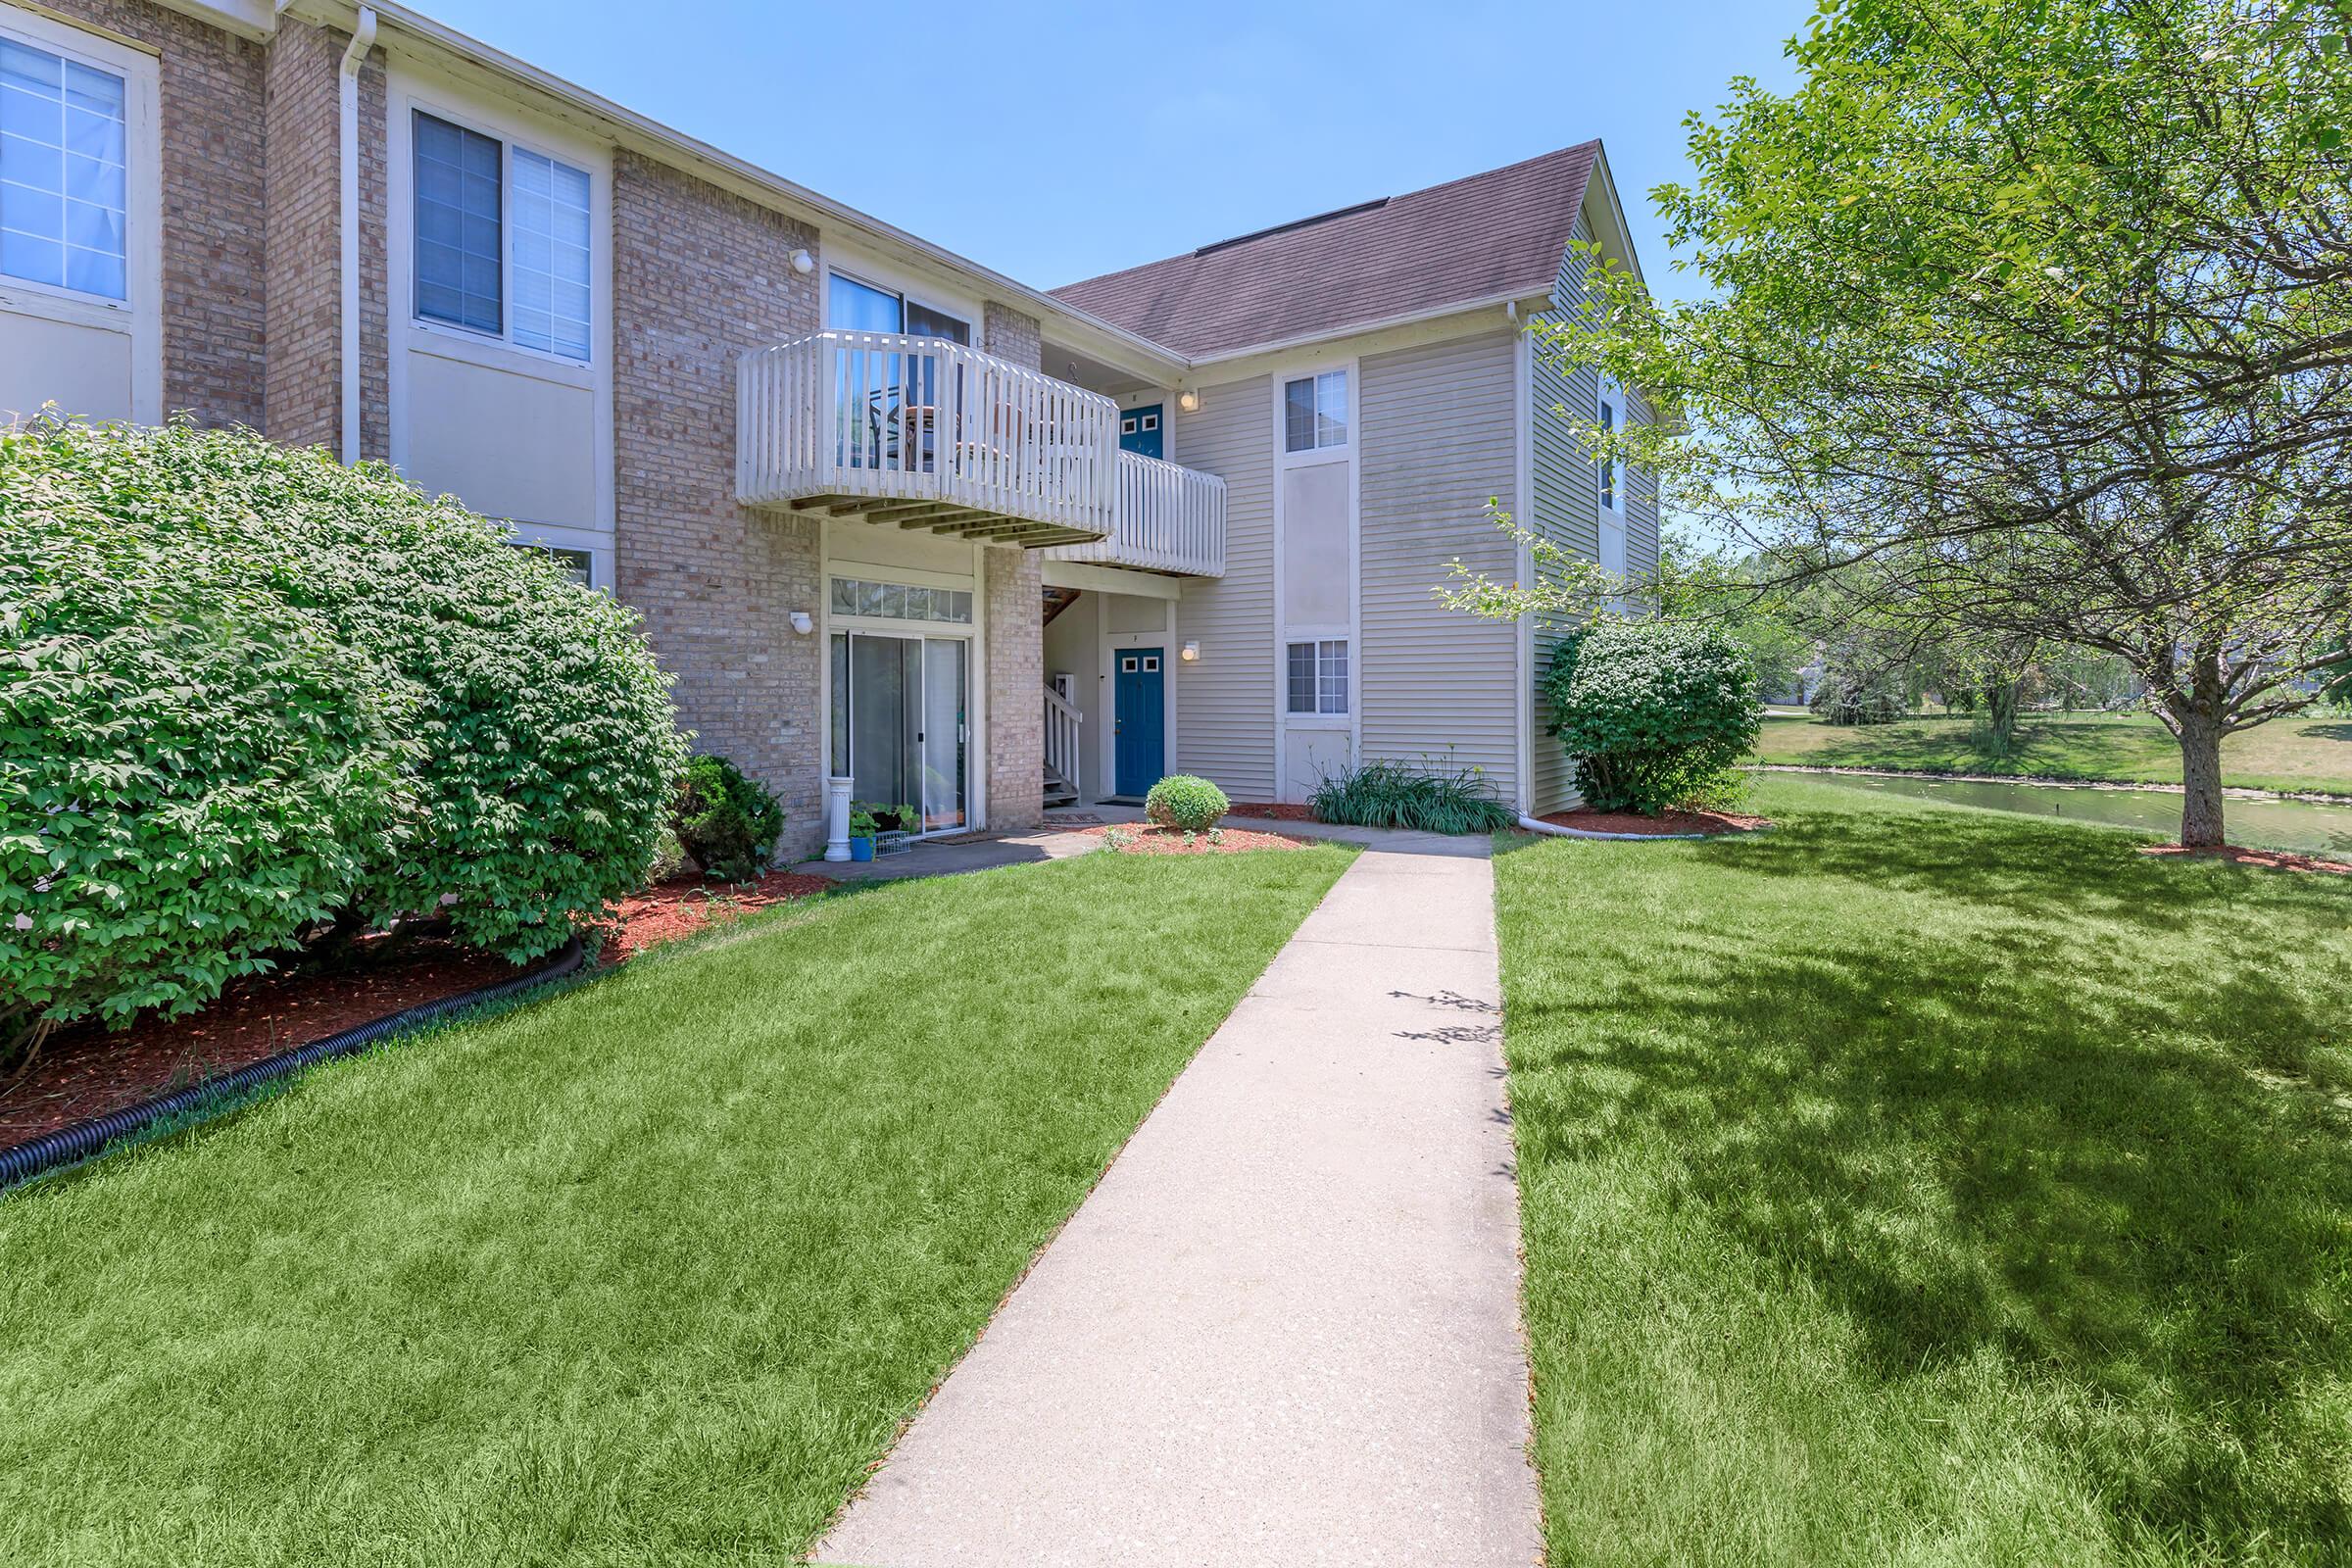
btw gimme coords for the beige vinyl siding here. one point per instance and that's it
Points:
(1565, 499)
(1640, 501)
(1438, 441)
(1225, 701)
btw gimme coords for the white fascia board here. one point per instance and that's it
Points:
(600, 116)
(256, 19)
(1535, 297)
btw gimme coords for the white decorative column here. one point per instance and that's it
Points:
(837, 818)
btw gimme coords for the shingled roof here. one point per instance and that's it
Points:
(1491, 235)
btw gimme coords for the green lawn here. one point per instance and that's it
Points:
(1918, 1185)
(646, 1273)
(2308, 753)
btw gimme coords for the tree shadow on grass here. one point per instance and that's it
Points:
(2021, 866)
(2130, 1181)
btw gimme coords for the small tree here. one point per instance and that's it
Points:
(2036, 319)
(1653, 713)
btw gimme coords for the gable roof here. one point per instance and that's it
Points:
(1496, 235)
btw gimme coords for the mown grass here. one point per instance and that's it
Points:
(648, 1273)
(1919, 1185)
(2302, 755)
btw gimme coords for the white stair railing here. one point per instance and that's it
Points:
(1062, 737)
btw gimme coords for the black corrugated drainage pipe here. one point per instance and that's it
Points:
(85, 1139)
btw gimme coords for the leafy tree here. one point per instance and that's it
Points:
(2043, 312)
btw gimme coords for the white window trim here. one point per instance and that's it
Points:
(412, 86)
(599, 233)
(1278, 423)
(140, 314)
(884, 280)
(1609, 395)
(1333, 718)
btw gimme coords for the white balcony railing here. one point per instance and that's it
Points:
(929, 432)
(1169, 518)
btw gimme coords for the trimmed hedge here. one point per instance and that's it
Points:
(1653, 713)
(245, 690)
(1182, 801)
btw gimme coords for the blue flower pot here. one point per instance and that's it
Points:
(861, 849)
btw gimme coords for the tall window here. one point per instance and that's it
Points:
(1612, 470)
(1315, 411)
(63, 134)
(489, 216)
(855, 307)
(1319, 676)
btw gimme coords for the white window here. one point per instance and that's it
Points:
(578, 564)
(1612, 470)
(1315, 411)
(64, 185)
(493, 221)
(1319, 676)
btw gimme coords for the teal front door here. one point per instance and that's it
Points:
(1141, 434)
(1139, 698)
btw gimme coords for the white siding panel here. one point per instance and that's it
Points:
(1225, 702)
(1438, 441)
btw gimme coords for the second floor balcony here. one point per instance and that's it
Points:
(926, 433)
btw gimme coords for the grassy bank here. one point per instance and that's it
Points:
(1929, 1185)
(2307, 754)
(646, 1273)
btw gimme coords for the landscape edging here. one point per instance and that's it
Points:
(87, 1139)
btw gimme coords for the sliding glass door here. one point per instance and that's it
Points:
(900, 727)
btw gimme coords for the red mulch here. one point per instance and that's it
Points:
(1659, 826)
(88, 1070)
(685, 905)
(1275, 811)
(2275, 860)
(1148, 838)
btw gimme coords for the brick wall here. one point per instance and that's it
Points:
(698, 276)
(303, 185)
(1014, 603)
(303, 386)
(214, 215)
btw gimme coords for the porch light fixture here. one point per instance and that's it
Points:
(1189, 402)
(802, 262)
(802, 622)
(1190, 652)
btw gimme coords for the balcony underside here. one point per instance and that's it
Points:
(944, 518)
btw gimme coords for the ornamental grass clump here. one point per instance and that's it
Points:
(1654, 714)
(1182, 801)
(1428, 798)
(250, 698)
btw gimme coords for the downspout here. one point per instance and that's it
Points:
(347, 94)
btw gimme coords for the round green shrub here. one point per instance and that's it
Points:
(1654, 714)
(1181, 800)
(536, 747)
(727, 822)
(194, 766)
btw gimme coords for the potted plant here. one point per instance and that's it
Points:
(898, 826)
(862, 833)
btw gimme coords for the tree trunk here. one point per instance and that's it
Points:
(2198, 725)
(2000, 702)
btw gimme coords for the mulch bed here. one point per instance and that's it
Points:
(86, 1070)
(2273, 859)
(1148, 838)
(1662, 825)
(1278, 811)
(684, 906)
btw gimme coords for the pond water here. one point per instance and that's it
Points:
(2314, 829)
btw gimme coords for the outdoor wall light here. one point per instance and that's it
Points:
(1190, 652)
(802, 622)
(1189, 402)
(802, 262)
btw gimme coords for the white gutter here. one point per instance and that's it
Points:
(347, 96)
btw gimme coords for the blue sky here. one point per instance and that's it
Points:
(1053, 142)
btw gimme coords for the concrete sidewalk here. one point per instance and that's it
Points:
(1285, 1328)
